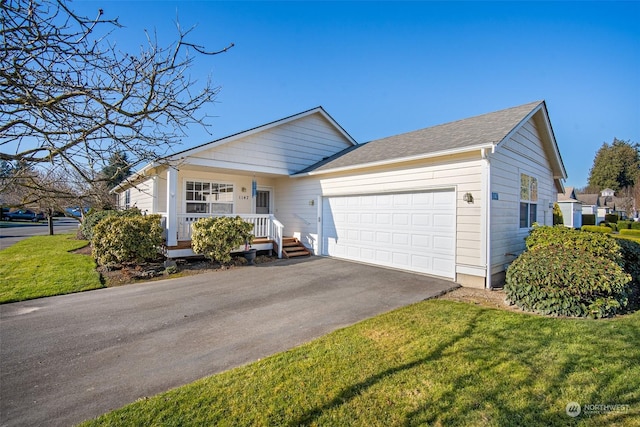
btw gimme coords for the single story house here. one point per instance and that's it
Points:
(454, 200)
(571, 208)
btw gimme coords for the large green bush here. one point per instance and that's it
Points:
(561, 280)
(126, 239)
(95, 217)
(597, 244)
(215, 238)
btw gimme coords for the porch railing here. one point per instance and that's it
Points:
(264, 226)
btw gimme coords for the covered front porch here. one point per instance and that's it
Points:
(268, 232)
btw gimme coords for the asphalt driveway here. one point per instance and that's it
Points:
(69, 358)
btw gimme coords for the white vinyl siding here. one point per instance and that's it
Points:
(523, 153)
(284, 149)
(461, 172)
(141, 196)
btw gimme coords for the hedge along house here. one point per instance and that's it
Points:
(454, 200)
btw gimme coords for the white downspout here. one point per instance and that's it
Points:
(486, 218)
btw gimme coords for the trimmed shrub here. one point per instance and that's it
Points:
(95, 217)
(588, 219)
(611, 218)
(215, 238)
(627, 232)
(624, 225)
(126, 239)
(597, 229)
(562, 281)
(635, 225)
(597, 244)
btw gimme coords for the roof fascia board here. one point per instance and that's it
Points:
(554, 144)
(397, 160)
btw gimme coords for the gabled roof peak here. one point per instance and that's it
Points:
(316, 110)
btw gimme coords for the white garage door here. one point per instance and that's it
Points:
(409, 231)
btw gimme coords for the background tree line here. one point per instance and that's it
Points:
(617, 166)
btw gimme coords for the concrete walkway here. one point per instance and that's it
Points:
(69, 358)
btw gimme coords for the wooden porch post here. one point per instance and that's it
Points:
(172, 206)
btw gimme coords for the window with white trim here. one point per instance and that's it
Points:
(208, 197)
(127, 199)
(528, 200)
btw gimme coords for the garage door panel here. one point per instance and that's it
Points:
(443, 220)
(420, 241)
(383, 201)
(412, 231)
(400, 219)
(401, 259)
(421, 220)
(401, 239)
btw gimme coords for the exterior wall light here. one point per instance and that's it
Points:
(468, 197)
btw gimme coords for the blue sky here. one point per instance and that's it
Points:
(383, 68)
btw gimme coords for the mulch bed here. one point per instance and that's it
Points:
(132, 273)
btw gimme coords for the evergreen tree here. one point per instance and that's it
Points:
(117, 170)
(616, 166)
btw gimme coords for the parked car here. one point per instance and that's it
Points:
(24, 215)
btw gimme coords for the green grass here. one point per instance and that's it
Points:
(43, 266)
(433, 363)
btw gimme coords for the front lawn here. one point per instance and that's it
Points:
(42, 266)
(433, 363)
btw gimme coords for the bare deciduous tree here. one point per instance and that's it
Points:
(69, 98)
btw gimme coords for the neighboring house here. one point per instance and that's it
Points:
(454, 200)
(571, 208)
(604, 203)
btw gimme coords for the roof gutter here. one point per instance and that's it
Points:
(396, 160)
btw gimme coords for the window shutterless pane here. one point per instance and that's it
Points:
(524, 214)
(197, 208)
(533, 214)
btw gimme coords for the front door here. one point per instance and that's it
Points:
(262, 202)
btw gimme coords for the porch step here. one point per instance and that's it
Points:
(292, 247)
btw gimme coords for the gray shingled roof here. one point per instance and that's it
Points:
(476, 131)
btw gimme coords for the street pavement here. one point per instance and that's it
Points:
(69, 358)
(12, 232)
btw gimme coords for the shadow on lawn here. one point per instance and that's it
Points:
(528, 379)
(356, 389)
